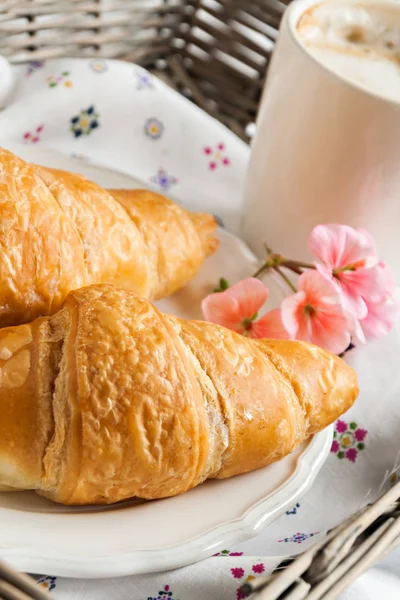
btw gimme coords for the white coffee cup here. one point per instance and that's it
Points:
(326, 150)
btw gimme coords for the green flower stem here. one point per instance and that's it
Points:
(275, 261)
(285, 278)
(260, 270)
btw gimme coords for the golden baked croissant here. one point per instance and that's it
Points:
(59, 232)
(110, 399)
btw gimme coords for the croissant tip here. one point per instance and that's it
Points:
(206, 225)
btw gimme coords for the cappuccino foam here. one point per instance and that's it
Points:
(360, 41)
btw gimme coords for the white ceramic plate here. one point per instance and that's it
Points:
(139, 537)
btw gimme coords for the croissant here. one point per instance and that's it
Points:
(60, 232)
(110, 399)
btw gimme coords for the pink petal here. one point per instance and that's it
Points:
(292, 311)
(330, 331)
(207, 150)
(369, 240)
(250, 295)
(213, 165)
(357, 333)
(222, 309)
(270, 326)
(380, 320)
(339, 246)
(353, 304)
(221, 146)
(388, 278)
(318, 289)
(327, 326)
(366, 282)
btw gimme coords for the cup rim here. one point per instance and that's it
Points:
(290, 20)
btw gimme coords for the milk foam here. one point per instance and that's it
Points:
(358, 40)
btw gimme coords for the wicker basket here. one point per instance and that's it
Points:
(215, 52)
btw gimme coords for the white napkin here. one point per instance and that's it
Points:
(117, 115)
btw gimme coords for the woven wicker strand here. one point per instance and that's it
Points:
(17, 586)
(215, 52)
(330, 565)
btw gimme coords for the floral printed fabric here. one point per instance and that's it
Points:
(348, 440)
(146, 130)
(119, 115)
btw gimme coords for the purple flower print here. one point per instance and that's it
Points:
(34, 66)
(293, 511)
(299, 538)
(144, 80)
(163, 179)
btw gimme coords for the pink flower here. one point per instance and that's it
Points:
(380, 319)
(341, 426)
(237, 308)
(360, 434)
(235, 553)
(351, 454)
(390, 286)
(350, 263)
(258, 568)
(314, 314)
(382, 315)
(237, 572)
(335, 446)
